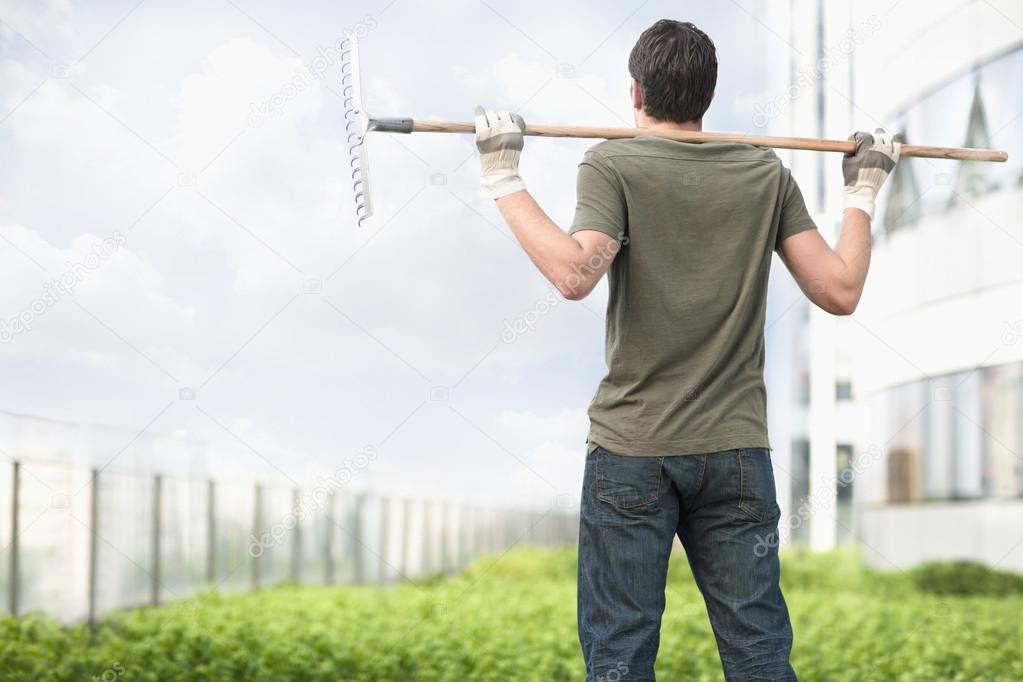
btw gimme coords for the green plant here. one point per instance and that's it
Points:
(965, 578)
(513, 617)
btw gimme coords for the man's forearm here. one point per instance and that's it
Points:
(572, 263)
(853, 248)
(559, 257)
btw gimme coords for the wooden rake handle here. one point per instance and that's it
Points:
(805, 143)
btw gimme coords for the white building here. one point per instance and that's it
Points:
(912, 410)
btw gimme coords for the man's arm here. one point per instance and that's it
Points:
(572, 263)
(833, 278)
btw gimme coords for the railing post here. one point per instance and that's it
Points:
(385, 539)
(464, 536)
(14, 583)
(480, 529)
(489, 526)
(427, 547)
(358, 558)
(296, 537)
(154, 585)
(328, 541)
(257, 526)
(406, 538)
(470, 530)
(445, 538)
(93, 546)
(211, 532)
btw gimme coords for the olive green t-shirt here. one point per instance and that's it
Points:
(697, 224)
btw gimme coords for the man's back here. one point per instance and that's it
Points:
(685, 233)
(688, 289)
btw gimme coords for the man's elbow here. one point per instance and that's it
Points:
(576, 293)
(574, 287)
(843, 302)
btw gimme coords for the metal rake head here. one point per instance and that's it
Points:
(357, 125)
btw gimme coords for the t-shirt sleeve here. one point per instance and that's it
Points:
(600, 199)
(794, 216)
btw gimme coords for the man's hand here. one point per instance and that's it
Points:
(867, 168)
(499, 139)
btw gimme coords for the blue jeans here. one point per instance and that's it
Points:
(722, 506)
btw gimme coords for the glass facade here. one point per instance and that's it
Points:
(974, 109)
(955, 436)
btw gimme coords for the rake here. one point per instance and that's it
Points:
(359, 123)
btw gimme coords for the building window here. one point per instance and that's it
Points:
(844, 477)
(799, 490)
(974, 109)
(903, 207)
(955, 436)
(843, 389)
(973, 177)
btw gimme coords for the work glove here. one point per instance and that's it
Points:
(499, 139)
(866, 169)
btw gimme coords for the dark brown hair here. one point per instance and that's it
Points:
(677, 66)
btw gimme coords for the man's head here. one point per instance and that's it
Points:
(674, 69)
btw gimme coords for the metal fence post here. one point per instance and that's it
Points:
(296, 536)
(427, 543)
(154, 585)
(257, 524)
(211, 532)
(93, 546)
(464, 536)
(491, 542)
(479, 528)
(406, 538)
(385, 539)
(13, 584)
(445, 539)
(358, 559)
(328, 541)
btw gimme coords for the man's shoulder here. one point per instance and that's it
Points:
(649, 145)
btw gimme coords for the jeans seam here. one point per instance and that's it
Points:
(743, 505)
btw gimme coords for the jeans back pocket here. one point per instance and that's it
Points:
(627, 482)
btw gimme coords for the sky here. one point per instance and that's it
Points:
(181, 263)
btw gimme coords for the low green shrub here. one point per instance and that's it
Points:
(965, 578)
(513, 618)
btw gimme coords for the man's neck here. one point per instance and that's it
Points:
(653, 124)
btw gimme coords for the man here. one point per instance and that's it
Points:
(678, 427)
